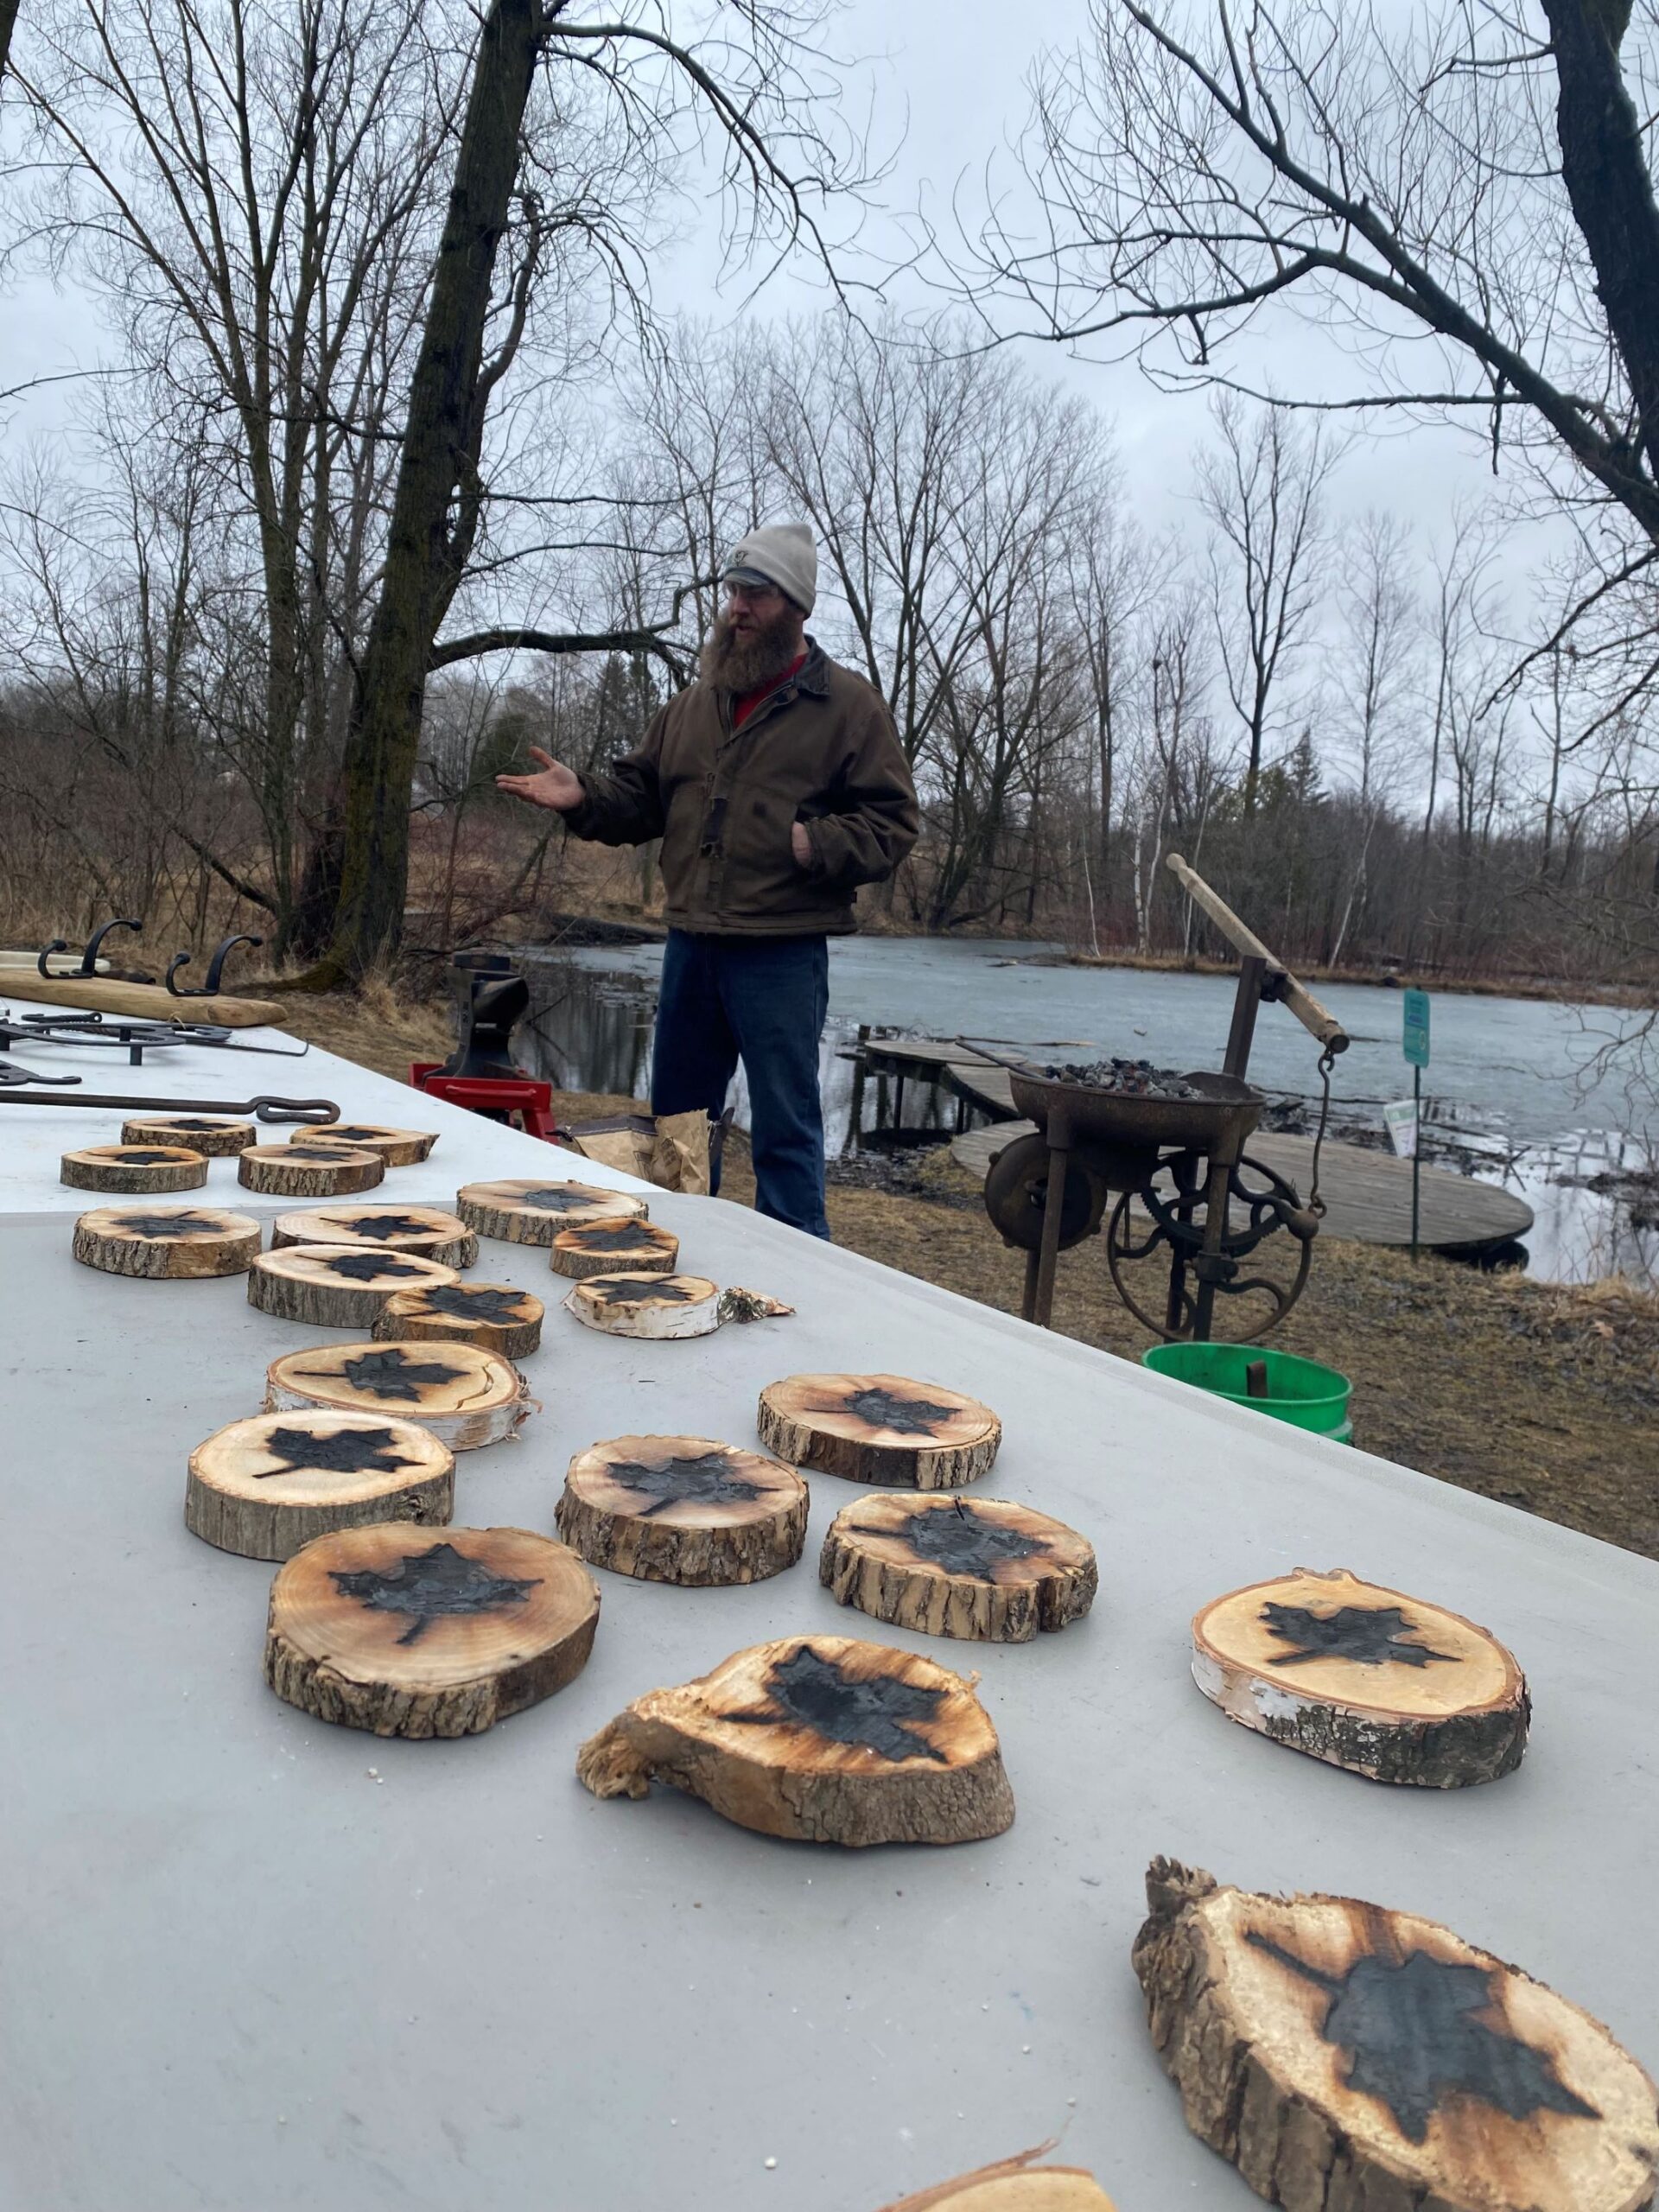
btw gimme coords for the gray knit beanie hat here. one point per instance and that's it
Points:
(781, 553)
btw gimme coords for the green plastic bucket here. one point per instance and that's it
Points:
(1299, 1391)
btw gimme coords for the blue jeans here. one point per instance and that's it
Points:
(761, 1000)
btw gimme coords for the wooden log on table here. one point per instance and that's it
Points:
(424, 1229)
(880, 1428)
(467, 1396)
(339, 1286)
(386, 1629)
(137, 1001)
(1013, 2185)
(616, 1246)
(683, 1509)
(1364, 1678)
(172, 1244)
(313, 1171)
(492, 1314)
(1348, 2058)
(981, 1568)
(821, 1738)
(397, 1148)
(133, 1168)
(526, 1212)
(196, 1132)
(264, 1487)
(657, 1308)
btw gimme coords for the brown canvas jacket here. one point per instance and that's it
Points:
(821, 749)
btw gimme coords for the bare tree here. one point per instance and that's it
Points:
(1376, 674)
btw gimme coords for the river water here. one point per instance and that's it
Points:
(1520, 1091)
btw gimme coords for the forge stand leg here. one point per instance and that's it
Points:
(1049, 1251)
(1209, 1265)
(1028, 1303)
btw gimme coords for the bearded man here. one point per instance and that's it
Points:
(778, 785)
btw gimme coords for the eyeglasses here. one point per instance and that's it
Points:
(750, 594)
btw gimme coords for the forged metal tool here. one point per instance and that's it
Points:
(317, 1110)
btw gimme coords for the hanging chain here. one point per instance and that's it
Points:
(1327, 1061)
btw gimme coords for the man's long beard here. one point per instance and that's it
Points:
(734, 664)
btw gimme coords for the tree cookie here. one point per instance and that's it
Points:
(980, 1568)
(266, 1486)
(683, 1509)
(880, 1428)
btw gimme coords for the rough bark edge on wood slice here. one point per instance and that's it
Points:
(1344, 2107)
(343, 1303)
(462, 1429)
(1383, 1741)
(983, 1569)
(661, 1309)
(133, 1169)
(1014, 2184)
(214, 1140)
(649, 1250)
(225, 1245)
(440, 1237)
(730, 1738)
(420, 1487)
(608, 1522)
(318, 1171)
(397, 1148)
(412, 1315)
(497, 1209)
(787, 1428)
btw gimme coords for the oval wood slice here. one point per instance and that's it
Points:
(338, 1286)
(613, 1247)
(133, 1167)
(396, 1631)
(654, 1307)
(1013, 2185)
(433, 1235)
(1346, 2058)
(1364, 1678)
(465, 1396)
(984, 1568)
(265, 1487)
(167, 1242)
(488, 1313)
(880, 1428)
(197, 1132)
(821, 1738)
(524, 1211)
(397, 1148)
(683, 1509)
(315, 1170)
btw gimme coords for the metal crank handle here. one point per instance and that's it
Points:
(317, 1110)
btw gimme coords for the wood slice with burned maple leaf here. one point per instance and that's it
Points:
(1364, 1678)
(197, 1132)
(338, 1286)
(397, 1148)
(1013, 2185)
(821, 1738)
(488, 1313)
(318, 1171)
(171, 1243)
(613, 1247)
(658, 1307)
(397, 1631)
(1348, 2058)
(526, 1212)
(980, 1568)
(683, 1509)
(435, 1234)
(134, 1168)
(264, 1487)
(880, 1428)
(467, 1396)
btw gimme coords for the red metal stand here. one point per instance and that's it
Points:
(518, 1098)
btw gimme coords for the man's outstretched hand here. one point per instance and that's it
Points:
(553, 785)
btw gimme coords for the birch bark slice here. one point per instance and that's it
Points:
(683, 1509)
(466, 1397)
(1348, 2058)
(658, 1307)
(214, 1139)
(880, 1428)
(133, 1168)
(264, 1487)
(616, 1246)
(1013, 2185)
(980, 1568)
(492, 1314)
(526, 1212)
(316, 1171)
(397, 1148)
(1364, 1678)
(173, 1243)
(821, 1738)
(338, 1286)
(432, 1235)
(397, 1631)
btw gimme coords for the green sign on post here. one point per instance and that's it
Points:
(1416, 1039)
(1416, 1043)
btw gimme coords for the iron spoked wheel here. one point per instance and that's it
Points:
(1156, 1234)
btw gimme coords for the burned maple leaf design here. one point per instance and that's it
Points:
(877, 1713)
(620, 1290)
(881, 1408)
(170, 1224)
(382, 1226)
(557, 1201)
(132, 1156)
(1371, 1635)
(432, 1585)
(369, 1267)
(337, 1451)
(324, 1151)
(339, 1130)
(956, 1538)
(210, 1126)
(626, 1239)
(1414, 2040)
(388, 1374)
(700, 1478)
(474, 1301)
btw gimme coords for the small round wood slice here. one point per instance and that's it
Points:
(1013, 2185)
(265, 1487)
(524, 1211)
(880, 1428)
(393, 1629)
(313, 1171)
(397, 1148)
(613, 1247)
(821, 1738)
(214, 1139)
(133, 1167)
(1364, 1678)
(338, 1286)
(466, 1396)
(683, 1509)
(984, 1568)
(654, 1307)
(488, 1313)
(170, 1242)
(424, 1230)
(1346, 2058)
